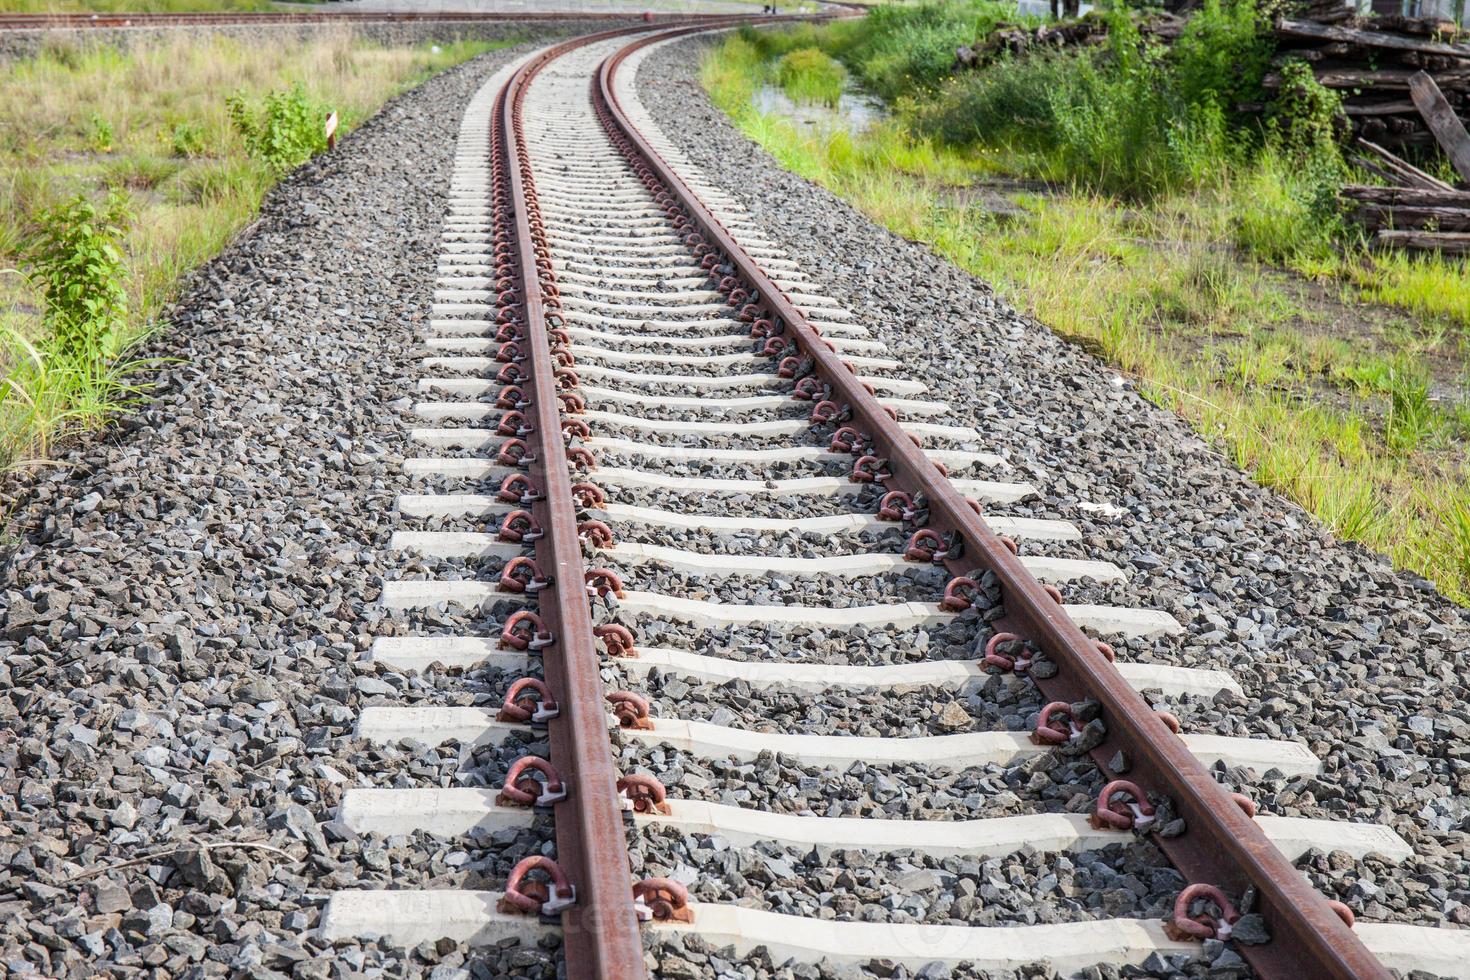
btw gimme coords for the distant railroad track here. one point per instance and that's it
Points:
(83, 21)
(617, 360)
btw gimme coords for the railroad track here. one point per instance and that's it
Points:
(102, 21)
(697, 526)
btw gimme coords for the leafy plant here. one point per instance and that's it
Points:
(284, 132)
(1305, 114)
(77, 265)
(1221, 57)
(187, 139)
(100, 136)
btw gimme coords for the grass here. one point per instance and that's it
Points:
(151, 127)
(809, 75)
(1343, 425)
(1423, 284)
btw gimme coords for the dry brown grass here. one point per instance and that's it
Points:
(152, 123)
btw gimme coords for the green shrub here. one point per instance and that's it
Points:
(77, 264)
(99, 134)
(1113, 127)
(1010, 103)
(1305, 115)
(1108, 120)
(808, 75)
(1131, 118)
(899, 49)
(284, 132)
(187, 139)
(1221, 58)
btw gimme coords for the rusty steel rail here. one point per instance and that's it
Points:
(600, 928)
(1222, 845)
(104, 21)
(100, 21)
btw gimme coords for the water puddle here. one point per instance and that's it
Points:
(855, 111)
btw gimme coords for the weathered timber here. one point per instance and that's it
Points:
(1389, 216)
(1379, 108)
(1408, 173)
(1374, 78)
(1448, 242)
(1370, 39)
(1421, 26)
(1407, 196)
(1442, 122)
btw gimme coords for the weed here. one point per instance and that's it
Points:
(138, 171)
(217, 182)
(77, 266)
(1411, 415)
(75, 377)
(1257, 365)
(1355, 512)
(99, 134)
(284, 132)
(49, 394)
(1428, 285)
(1369, 375)
(808, 75)
(1454, 513)
(1282, 211)
(187, 139)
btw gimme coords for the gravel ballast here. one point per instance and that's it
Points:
(188, 599)
(1333, 647)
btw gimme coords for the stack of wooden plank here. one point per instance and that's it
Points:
(1413, 210)
(1089, 29)
(1417, 210)
(1405, 82)
(1371, 61)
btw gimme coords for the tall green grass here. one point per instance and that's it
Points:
(1132, 118)
(809, 75)
(122, 170)
(1135, 120)
(1158, 290)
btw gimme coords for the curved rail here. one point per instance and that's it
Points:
(104, 21)
(601, 929)
(1221, 846)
